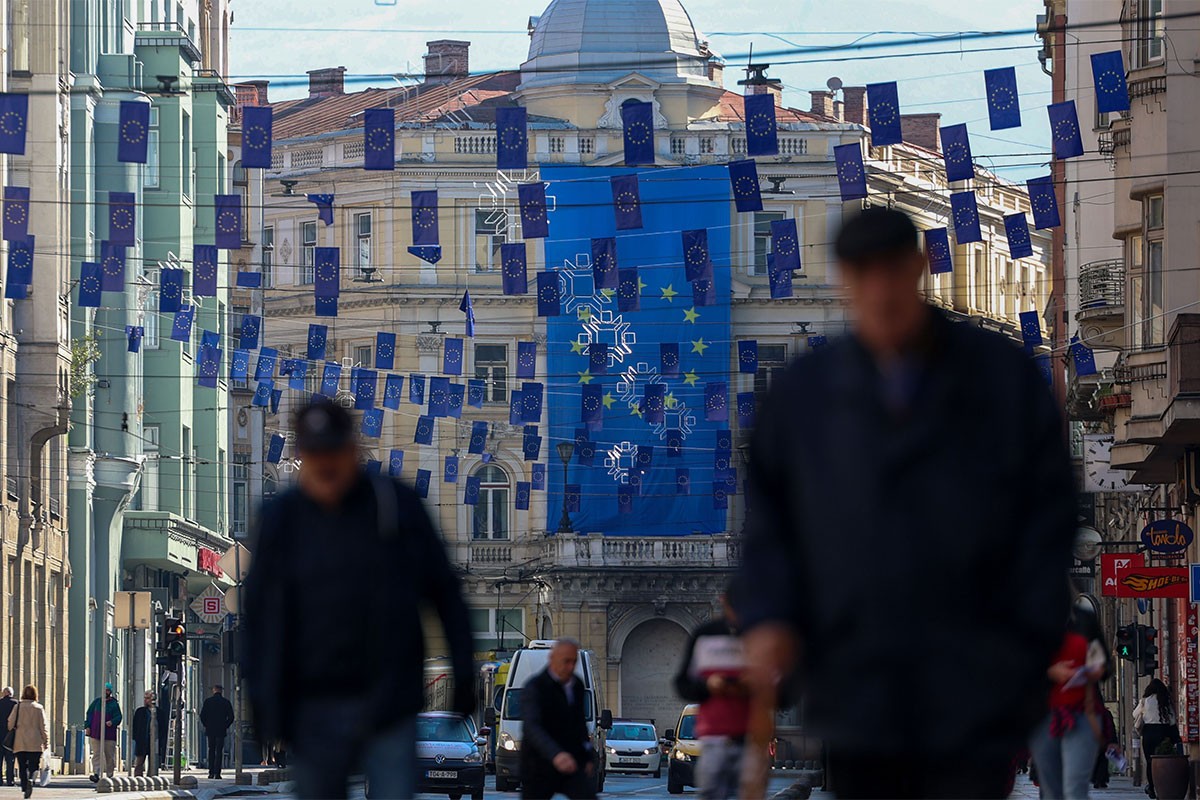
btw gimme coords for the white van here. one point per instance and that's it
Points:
(526, 663)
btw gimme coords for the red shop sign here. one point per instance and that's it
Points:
(208, 562)
(1110, 564)
(1153, 582)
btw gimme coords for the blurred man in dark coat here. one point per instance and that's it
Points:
(912, 514)
(216, 715)
(557, 754)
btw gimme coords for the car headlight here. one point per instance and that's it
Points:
(473, 757)
(612, 751)
(682, 756)
(649, 751)
(508, 742)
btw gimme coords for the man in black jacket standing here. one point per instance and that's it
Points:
(557, 754)
(139, 732)
(216, 715)
(913, 511)
(332, 629)
(7, 704)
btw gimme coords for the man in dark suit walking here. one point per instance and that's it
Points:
(557, 755)
(216, 715)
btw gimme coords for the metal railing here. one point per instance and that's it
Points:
(1102, 285)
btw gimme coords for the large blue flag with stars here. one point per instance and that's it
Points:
(665, 316)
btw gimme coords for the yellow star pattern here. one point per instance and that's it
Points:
(670, 401)
(690, 314)
(641, 285)
(583, 313)
(690, 377)
(609, 400)
(635, 412)
(668, 293)
(699, 346)
(578, 348)
(608, 294)
(585, 377)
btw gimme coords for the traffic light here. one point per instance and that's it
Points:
(1127, 642)
(1147, 650)
(172, 644)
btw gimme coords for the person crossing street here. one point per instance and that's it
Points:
(216, 715)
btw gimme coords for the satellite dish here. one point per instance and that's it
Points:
(834, 84)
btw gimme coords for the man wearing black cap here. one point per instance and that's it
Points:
(912, 513)
(333, 640)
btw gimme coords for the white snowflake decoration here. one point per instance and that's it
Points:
(619, 461)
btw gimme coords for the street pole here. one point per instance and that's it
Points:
(103, 700)
(130, 639)
(237, 675)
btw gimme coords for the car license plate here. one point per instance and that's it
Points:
(442, 773)
(629, 761)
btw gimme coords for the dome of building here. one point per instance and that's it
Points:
(599, 41)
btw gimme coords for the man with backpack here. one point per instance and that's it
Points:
(333, 641)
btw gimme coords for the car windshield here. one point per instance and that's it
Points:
(687, 727)
(512, 705)
(442, 729)
(623, 732)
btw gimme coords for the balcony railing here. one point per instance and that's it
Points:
(491, 553)
(1102, 285)
(638, 551)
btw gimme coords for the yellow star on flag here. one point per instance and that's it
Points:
(583, 313)
(608, 399)
(641, 285)
(670, 401)
(699, 346)
(578, 347)
(668, 293)
(585, 377)
(608, 294)
(690, 377)
(690, 314)
(635, 411)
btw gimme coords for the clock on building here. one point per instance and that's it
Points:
(1098, 473)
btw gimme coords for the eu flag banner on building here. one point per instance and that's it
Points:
(379, 139)
(396, 463)
(479, 432)
(324, 204)
(170, 290)
(318, 336)
(1031, 328)
(629, 296)
(514, 274)
(16, 213)
(228, 211)
(264, 368)
(1108, 72)
(548, 300)
(597, 358)
(851, 172)
(372, 423)
(133, 132)
(331, 378)
(416, 389)
(210, 360)
(20, 261)
(385, 350)
(618, 403)
(181, 328)
(439, 396)
(743, 181)
(133, 336)
(785, 244)
(965, 211)
(275, 449)
(531, 197)
(1004, 103)
(1016, 228)
(627, 203)
(1043, 202)
(450, 469)
(393, 391)
(748, 356)
(298, 377)
(697, 264)
(604, 262)
(327, 272)
(239, 365)
(1083, 357)
(365, 383)
(425, 218)
(476, 392)
(1064, 130)
(14, 117)
(256, 136)
(204, 270)
(762, 137)
(956, 151)
(668, 355)
(249, 280)
(883, 108)
(452, 357)
(421, 484)
(122, 218)
(512, 138)
(779, 280)
(637, 120)
(937, 249)
(89, 284)
(248, 331)
(423, 434)
(112, 267)
(526, 360)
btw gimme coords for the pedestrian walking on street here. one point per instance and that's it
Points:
(1154, 719)
(216, 715)
(102, 727)
(557, 755)
(1066, 743)
(139, 731)
(28, 722)
(912, 511)
(334, 648)
(7, 704)
(711, 675)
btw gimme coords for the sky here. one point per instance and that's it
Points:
(937, 70)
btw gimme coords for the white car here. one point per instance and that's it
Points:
(633, 747)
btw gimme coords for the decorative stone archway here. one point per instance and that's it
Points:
(650, 656)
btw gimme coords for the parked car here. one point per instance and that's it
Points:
(449, 756)
(685, 751)
(633, 747)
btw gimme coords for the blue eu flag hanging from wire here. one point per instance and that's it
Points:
(852, 174)
(762, 137)
(883, 108)
(248, 331)
(937, 248)
(379, 139)
(1108, 72)
(393, 391)
(425, 218)
(697, 263)
(629, 291)
(785, 244)
(743, 180)
(385, 350)
(14, 118)
(965, 211)
(275, 449)
(181, 328)
(395, 463)
(133, 132)
(16, 213)
(604, 263)
(1083, 357)
(627, 202)
(514, 271)
(20, 261)
(112, 267)
(1043, 202)
(526, 359)
(637, 119)
(170, 290)
(89, 284)
(469, 310)
(256, 136)
(228, 211)
(597, 358)
(534, 221)
(324, 204)
(318, 336)
(956, 151)
(1031, 329)
(1004, 103)
(122, 218)
(512, 138)
(204, 270)
(1016, 229)
(1064, 130)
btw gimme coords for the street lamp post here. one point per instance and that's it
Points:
(565, 451)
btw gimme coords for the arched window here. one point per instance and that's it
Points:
(491, 512)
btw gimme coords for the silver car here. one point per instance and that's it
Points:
(633, 746)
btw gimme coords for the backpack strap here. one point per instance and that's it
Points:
(386, 507)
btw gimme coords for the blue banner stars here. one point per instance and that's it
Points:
(318, 335)
(604, 263)
(629, 295)
(535, 223)
(112, 267)
(627, 203)
(471, 490)
(514, 268)
(227, 211)
(785, 244)
(965, 211)
(204, 270)
(716, 407)
(937, 249)
(331, 378)
(548, 300)
(396, 463)
(393, 391)
(1043, 202)
(133, 131)
(743, 181)
(256, 137)
(852, 174)
(523, 492)
(956, 152)
(748, 356)
(478, 441)
(425, 218)
(372, 423)
(598, 358)
(16, 213)
(450, 470)
(379, 139)
(122, 217)
(275, 449)
(1064, 130)
(1031, 329)
(697, 263)
(762, 137)
(512, 138)
(452, 357)
(324, 204)
(1016, 229)
(1004, 106)
(1108, 73)
(637, 120)
(416, 389)
(883, 108)
(89, 284)
(421, 484)
(526, 359)
(385, 350)
(424, 430)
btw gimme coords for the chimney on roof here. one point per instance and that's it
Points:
(447, 60)
(326, 82)
(822, 102)
(839, 110)
(923, 130)
(855, 110)
(252, 93)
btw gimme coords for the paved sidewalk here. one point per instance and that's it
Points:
(1118, 787)
(76, 787)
